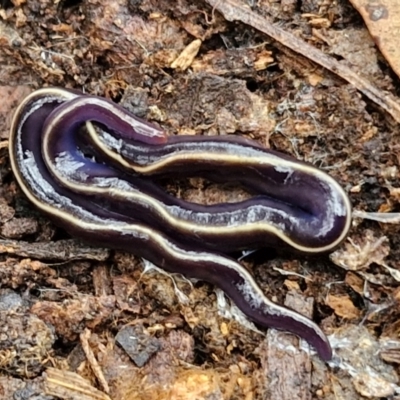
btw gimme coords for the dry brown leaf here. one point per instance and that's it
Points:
(355, 282)
(373, 386)
(343, 306)
(382, 18)
(360, 253)
(185, 59)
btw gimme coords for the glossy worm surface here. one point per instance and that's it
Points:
(92, 167)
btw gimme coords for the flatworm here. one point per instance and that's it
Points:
(91, 166)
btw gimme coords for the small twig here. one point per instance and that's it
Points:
(385, 218)
(84, 336)
(232, 11)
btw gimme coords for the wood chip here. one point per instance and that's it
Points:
(71, 386)
(287, 368)
(62, 250)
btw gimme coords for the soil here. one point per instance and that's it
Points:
(70, 310)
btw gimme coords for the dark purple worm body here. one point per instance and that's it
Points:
(98, 183)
